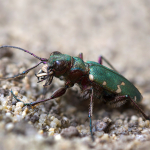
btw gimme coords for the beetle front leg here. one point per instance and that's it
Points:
(55, 94)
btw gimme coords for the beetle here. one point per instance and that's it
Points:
(95, 80)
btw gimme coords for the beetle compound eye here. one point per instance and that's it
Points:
(60, 65)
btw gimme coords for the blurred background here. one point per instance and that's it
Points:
(118, 30)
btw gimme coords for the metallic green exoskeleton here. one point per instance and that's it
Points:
(113, 82)
(96, 81)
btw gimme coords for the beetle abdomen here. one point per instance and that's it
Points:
(112, 81)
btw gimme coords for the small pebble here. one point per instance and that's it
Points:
(52, 117)
(142, 124)
(145, 131)
(15, 93)
(5, 86)
(65, 122)
(9, 108)
(99, 134)
(17, 110)
(114, 137)
(107, 120)
(40, 132)
(15, 119)
(9, 126)
(53, 124)
(118, 123)
(8, 114)
(57, 137)
(34, 118)
(24, 113)
(43, 118)
(70, 132)
(58, 122)
(19, 104)
(105, 137)
(99, 125)
(134, 118)
(140, 129)
(147, 123)
(140, 119)
(51, 131)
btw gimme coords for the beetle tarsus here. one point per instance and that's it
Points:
(18, 100)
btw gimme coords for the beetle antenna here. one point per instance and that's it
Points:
(44, 60)
(21, 75)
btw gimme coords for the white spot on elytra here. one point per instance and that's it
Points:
(104, 83)
(122, 83)
(91, 77)
(119, 89)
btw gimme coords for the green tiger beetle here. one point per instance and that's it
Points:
(95, 80)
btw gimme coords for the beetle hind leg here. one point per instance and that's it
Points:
(122, 99)
(101, 58)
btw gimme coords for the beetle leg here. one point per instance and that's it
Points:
(137, 107)
(59, 92)
(100, 62)
(100, 59)
(90, 114)
(21, 74)
(55, 94)
(81, 56)
(127, 97)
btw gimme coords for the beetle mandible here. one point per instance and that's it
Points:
(95, 80)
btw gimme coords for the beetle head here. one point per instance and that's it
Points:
(57, 66)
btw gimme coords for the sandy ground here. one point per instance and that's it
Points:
(118, 30)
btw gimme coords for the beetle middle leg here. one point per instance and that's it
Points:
(89, 94)
(91, 113)
(119, 100)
